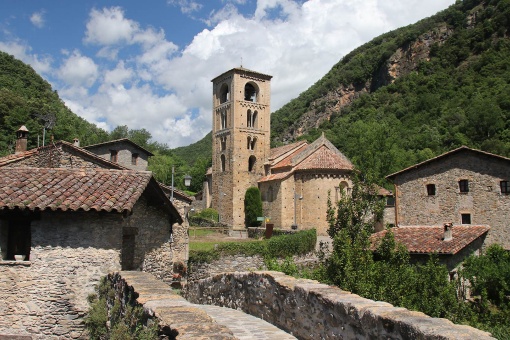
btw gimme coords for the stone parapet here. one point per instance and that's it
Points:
(310, 310)
(178, 319)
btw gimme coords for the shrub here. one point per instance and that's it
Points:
(282, 246)
(252, 207)
(208, 213)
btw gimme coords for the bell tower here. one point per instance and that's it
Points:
(241, 139)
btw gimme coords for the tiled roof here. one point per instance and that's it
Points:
(274, 177)
(429, 239)
(71, 189)
(446, 154)
(122, 140)
(281, 150)
(324, 158)
(16, 157)
(177, 193)
(287, 161)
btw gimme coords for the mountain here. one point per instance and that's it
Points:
(27, 99)
(413, 93)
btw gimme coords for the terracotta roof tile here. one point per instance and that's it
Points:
(274, 177)
(287, 161)
(281, 150)
(324, 158)
(429, 239)
(16, 157)
(71, 189)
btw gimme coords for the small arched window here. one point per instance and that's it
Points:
(223, 119)
(254, 119)
(224, 94)
(222, 160)
(251, 163)
(223, 143)
(249, 119)
(250, 93)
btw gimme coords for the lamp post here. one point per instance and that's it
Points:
(296, 197)
(187, 182)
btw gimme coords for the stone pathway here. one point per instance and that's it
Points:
(245, 326)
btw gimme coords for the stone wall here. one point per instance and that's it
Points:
(484, 201)
(46, 296)
(310, 310)
(242, 263)
(55, 156)
(125, 152)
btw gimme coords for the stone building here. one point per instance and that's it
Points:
(294, 179)
(73, 226)
(464, 186)
(124, 152)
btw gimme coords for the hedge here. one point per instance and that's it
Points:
(298, 243)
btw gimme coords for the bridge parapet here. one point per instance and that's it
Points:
(311, 310)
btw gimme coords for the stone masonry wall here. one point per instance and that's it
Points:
(484, 201)
(310, 310)
(46, 296)
(124, 153)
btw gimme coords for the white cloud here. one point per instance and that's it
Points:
(37, 19)
(109, 27)
(153, 84)
(23, 52)
(186, 6)
(78, 70)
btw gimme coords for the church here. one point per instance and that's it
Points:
(294, 180)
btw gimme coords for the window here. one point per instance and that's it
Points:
(250, 93)
(113, 156)
(390, 201)
(464, 185)
(223, 143)
(465, 218)
(251, 119)
(251, 163)
(223, 119)
(224, 94)
(431, 189)
(505, 187)
(134, 159)
(15, 239)
(222, 160)
(251, 143)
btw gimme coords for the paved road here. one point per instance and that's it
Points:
(245, 326)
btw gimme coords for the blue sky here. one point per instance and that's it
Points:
(148, 64)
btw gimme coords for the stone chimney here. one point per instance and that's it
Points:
(448, 236)
(21, 139)
(76, 142)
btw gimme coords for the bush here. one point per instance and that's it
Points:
(282, 246)
(208, 214)
(252, 207)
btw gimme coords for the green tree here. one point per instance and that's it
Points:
(252, 207)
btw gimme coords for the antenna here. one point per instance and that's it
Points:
(241, 62)
(49, 120)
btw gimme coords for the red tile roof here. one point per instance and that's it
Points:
(281, 150)
(274, 177)
(16, 157)
(429, 239)
(71, 189)
(324, 158)
(287, 161)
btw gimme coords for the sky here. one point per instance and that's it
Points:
(149, 64)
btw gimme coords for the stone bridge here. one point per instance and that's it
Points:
(303, 309)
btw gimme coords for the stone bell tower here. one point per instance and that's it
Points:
(241, 139)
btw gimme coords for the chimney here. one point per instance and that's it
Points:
(21, 139)
(448, 232)
(76, 142)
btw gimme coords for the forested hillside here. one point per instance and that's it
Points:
(414, 93)
(27, 99)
